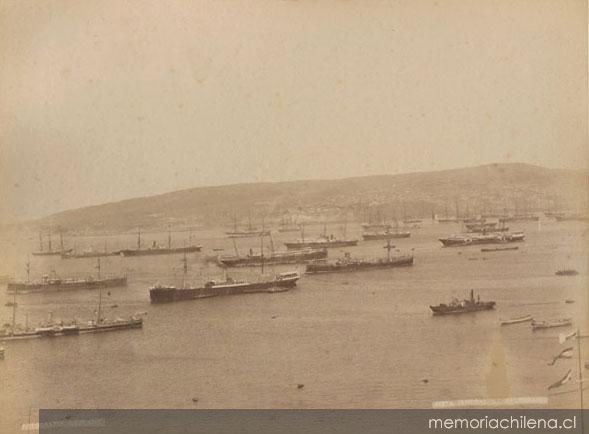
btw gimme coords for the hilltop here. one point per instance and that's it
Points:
(490, 188)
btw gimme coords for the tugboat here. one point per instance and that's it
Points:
(51, 329)
(249, 232)
(167, 294)
(465, 306)
(323, 242)
(347, 264)
(386, 235)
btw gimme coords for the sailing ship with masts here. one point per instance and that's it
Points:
(349, 264)
(50, 252)
(249, 232)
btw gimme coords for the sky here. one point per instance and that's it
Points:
(104, 100)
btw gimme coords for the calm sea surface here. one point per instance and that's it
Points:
(357, 340)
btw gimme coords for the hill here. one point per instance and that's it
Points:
(490, 188)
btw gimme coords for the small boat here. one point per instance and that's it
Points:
(569, 301)
(567, 272)
(1, 353)
(499, 249)
(517, 320)
(10, 304)
(551, 324)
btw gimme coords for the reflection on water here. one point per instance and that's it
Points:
(357, 340)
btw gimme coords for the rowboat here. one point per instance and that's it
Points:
(548, 325)
(516, 320)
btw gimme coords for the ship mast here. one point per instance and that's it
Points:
(49, 241)
(98, 268)
(98, 313)
(61, 241)
(169, 236)
(184, 268)
(389, 247)
(41, 241)
(138, 239)
(262, 251)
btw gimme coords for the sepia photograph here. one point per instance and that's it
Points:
(293, 206)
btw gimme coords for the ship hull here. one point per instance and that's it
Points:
(159, 251)
(170, 294)
(292, 257)
(24, 288)
(449, 310)
(320, 244)
(247, 234)
(359, 266)
(386, 236)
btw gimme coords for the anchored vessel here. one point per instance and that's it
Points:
(347, 263)
(320, 243)
(279, 283)
(158, 250)
(50, 251)
(274, 258)
(49, 284)
(386, 235)
(468, 240)
(465, 306)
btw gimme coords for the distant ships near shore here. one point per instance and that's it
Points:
(456, 307)
(386, 235)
